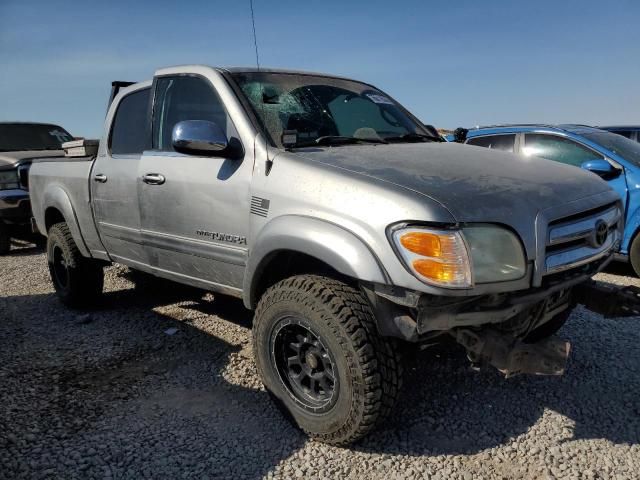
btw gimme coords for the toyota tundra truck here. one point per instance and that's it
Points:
(339, 219)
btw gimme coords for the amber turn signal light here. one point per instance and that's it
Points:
(422, 243)
(437, 271)
(436, 256)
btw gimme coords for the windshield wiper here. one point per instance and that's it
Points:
(339, 140)
(414, 137)
(334, 140)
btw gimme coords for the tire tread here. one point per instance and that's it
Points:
(378, 357)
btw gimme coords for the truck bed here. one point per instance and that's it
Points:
(64, 182)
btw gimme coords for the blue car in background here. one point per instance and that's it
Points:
(632, 132)
(613, 157)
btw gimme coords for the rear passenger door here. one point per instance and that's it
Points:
(504, 142)
(568, 151)
(114, 179)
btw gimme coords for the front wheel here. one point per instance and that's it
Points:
(322, 360)
(78, 281)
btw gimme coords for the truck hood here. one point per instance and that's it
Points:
(475, 184)
(11, 159)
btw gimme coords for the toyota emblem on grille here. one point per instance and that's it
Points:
(600, 234)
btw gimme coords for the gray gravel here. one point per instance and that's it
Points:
(108, 394)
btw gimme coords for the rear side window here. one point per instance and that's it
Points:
(129, 129)
(185, 98)
(505, 143)
(557, 148)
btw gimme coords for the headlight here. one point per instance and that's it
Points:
(438, 257)
(461, 258)
(496, 253)
(9, 180)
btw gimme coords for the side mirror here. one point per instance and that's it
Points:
(601, 168)
(199, 137)
(460, 135)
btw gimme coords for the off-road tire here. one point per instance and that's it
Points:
(368, 367)
(84, 278)
(550, 328)
(634, 255)
(5, 239)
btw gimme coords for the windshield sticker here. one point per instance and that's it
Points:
(375, 98)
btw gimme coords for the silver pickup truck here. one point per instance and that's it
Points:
(339, 219)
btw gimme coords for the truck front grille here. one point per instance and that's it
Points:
(579, 239)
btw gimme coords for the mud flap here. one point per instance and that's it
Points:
(512, 356)
(608, 300)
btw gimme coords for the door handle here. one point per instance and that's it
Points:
(100, 177)
(153, 179)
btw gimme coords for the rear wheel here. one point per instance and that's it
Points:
(322, 360)
(5, 239)
(78, 281)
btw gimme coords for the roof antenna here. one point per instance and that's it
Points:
(255, 38)
(269, 162)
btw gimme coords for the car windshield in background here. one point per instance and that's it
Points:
(16, 137)
(627, 149)
(317, 110)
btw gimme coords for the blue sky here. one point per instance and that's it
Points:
(451, 63)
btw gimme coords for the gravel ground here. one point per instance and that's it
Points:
(112, 393)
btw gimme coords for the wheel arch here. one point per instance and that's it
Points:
(292, 245)
(58, 208)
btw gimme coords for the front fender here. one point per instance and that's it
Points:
(327, 242)
(56, 197)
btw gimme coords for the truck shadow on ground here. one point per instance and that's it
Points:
(121, 381)
(622, 269)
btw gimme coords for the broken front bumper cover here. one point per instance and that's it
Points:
(412, 315)
(512, 356)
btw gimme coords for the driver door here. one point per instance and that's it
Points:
(193, 215)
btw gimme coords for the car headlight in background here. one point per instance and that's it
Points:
(461, 258)
(9, 180)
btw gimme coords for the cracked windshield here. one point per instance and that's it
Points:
(304, 110)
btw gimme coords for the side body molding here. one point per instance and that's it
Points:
(325, 241)
(56, 197)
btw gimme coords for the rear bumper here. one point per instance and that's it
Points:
(15, 206)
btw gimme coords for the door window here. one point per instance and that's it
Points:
(505, 143)
(557, 148)
(185, 98)
(129, 128)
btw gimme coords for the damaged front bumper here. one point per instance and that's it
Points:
(512, 356)
(415, 316)
(493, 328)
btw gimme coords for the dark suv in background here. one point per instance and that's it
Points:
(20, 142)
